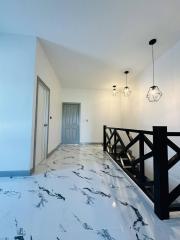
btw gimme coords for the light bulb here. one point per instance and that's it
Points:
(114, 91)
(127, 91)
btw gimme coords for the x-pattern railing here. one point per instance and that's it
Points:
(158, 188)
(175, 193)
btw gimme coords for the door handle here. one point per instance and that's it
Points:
(45, 125)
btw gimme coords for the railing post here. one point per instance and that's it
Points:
(161, 183)
(104, 138)
(141, 154)
(115, 138)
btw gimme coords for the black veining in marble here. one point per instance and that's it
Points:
(19, 238)
(62, 229)
(111, 175)
(106, 166)
(62, 177)
(69, 157)
(79, 175)
(42, 201)
(46, 173)
(52, 169)
(56, 195)
(85, 225)
(20, 232)
(89, 199)
(77, 218)
(81, 167)
(139, 220)
(10, 193)
(97, 192)
(93, 171)
(113, 186)
(98, 173)
(137, 237)
(145, 237)
(105, 234)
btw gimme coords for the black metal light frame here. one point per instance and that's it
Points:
(154, 93)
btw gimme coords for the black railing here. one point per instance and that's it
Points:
(157, 188)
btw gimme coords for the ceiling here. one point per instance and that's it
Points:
(91, 42)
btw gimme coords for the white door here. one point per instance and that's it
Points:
(42, 122)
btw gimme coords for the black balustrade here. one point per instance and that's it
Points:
(157, 188)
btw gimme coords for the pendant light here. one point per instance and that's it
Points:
(114, 91)
(126, 90)
(154, 93)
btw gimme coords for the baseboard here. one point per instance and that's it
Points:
(22, 173)
(50, 153)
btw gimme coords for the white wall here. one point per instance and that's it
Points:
(143, 114)
(166, 111)
(45, 71)
(21, 60)
(98, 107)
(17, 62)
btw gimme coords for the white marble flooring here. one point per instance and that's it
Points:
(79, 193)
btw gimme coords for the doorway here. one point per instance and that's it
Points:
(71, 123)
(41, 122)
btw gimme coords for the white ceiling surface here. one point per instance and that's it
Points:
(90, 42)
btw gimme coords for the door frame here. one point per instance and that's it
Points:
(75, 103)
(38, 83)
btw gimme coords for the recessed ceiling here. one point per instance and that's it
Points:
(89, 43)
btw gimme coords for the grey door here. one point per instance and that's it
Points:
(70, 123)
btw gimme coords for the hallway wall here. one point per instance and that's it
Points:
(17, 62)
(22, 58)
(138, 113)
(45, 71)
(98, 108)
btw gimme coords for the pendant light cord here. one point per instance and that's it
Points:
(153, 62)
(126, 80)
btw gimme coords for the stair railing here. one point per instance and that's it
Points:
(158, 188)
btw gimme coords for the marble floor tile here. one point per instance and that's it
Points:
(79, 193)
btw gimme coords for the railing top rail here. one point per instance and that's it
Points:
(131, 130)
(170, 134)
(173, 134)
